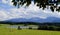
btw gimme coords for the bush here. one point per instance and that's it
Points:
(39, 27)
(19, 28)
(51, 28)
(58, 29)
(42, 27)
(30, 27)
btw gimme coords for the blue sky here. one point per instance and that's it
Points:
(8, 11)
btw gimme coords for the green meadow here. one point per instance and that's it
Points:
(13, 31)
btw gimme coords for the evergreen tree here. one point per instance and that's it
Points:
(40, 3)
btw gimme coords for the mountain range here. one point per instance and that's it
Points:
(49, 19)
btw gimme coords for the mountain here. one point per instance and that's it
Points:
(49, 19)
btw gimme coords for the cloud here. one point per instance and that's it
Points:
(4, 1)
(3, 15)
(7, 2)
(25, 12)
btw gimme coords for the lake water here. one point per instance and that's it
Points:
(21, 26)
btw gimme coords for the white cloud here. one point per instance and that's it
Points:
(30, 12)
(7, 2)
(3, 15)
(4, 1)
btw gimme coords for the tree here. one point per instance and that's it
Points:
(40, 3)
(30, 27)
(19, 28)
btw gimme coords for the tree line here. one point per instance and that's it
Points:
(41, 26)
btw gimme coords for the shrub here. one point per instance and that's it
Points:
(30, 27)
(19, 28)
(58, 29)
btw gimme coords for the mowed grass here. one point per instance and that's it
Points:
(11, 31)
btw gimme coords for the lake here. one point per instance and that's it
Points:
(22, 26)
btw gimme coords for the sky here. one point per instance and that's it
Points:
(8, 11)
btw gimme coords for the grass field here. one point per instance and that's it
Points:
(11, 31)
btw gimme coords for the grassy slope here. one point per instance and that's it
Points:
(6, 31)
